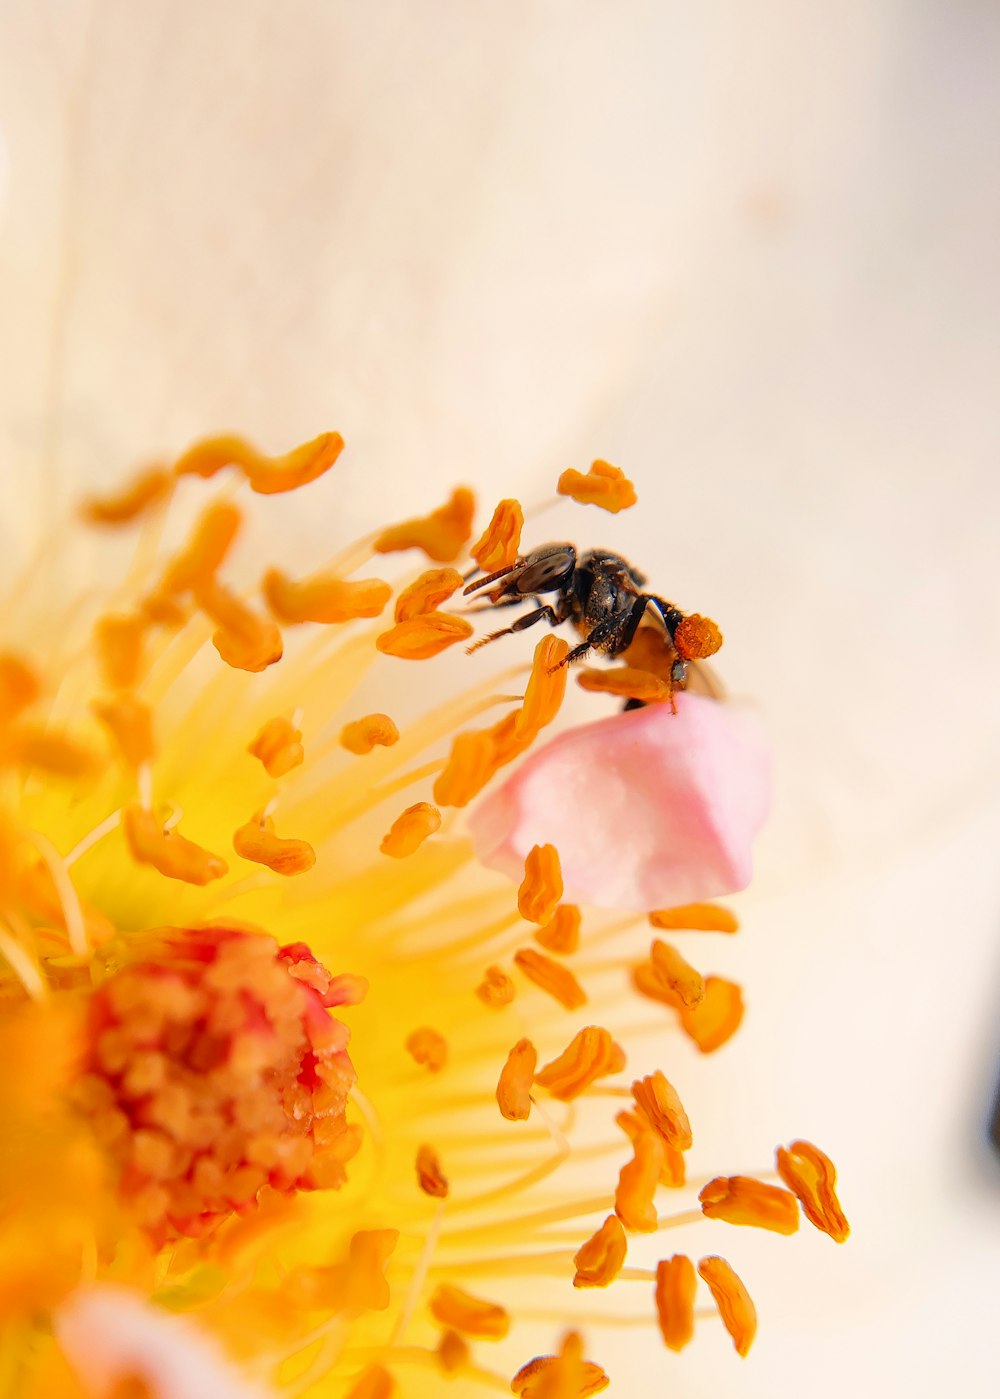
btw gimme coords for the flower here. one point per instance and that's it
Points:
(316, 1089)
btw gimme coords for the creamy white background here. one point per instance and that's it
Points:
(747, 251)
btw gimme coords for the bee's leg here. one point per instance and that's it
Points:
(547, 614)
(619, 631)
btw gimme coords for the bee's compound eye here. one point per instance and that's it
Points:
(542, 574)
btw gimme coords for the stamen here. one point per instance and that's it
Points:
(496, 988)
(91, 839)
(428, 1047)
(470, 1316)
(56, 753)
(590, 1055)
(373, 730)
(545, 689)
(542, 886)
(453, 1352)
(673, 1171)
(427, 593)
(258, 842)
(420, 638)
(19, 685)
(637, 1184)
(704, 917)
(717, 1018)
(557, 980)
(410, 829)
(441, 534)
(563, 1376)
(322, 598)
(599, 1261)
(69, 899)
(430, 1177)
(201, 557)
(562, 934)
(266, 475)
(811, 1176)
(119, 638)
(278, 745)
(677, 975)
(675, 1291)
(373, 1383)
(603, 485)
(739, 1315)
(138, 496)
(498, 545)
(625, 681)
(168, 851)
(130, 723)
(743, 1200)
(659, 1102)
(514, 1085)
(244, 640)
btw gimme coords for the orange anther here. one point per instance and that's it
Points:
(244, 640)
(542, 885)
(557, 980)
(590, 1055)
(743, 1200)
(717, 1018)
(258, 842)
(675, 1289)
(599, 1260)
(739, 1315)
(19, 685)
(278, 745)
(701, 917)
(373, 730)
(452, 1352)
(168, 851)
(562, 934)
(648, 982)
(496, 988)
(432, 588)
(130, 722)
(637, 1182)
(207, 546)
(374, 1382)
(563, 1376)
(323, 599)
(428, 1047)
(164, 611)
(33, 745)
(545, 689)
(811, 1176)
(266, 475)
(470, 766)
(119, 637)
(603, 485)
(410, 829)
(625, 681)
(441, 534)
(659, 1103)
(697, 637)
(498, 545)
(422, 637)
(673, 1171)
(679, 977)
(138, 496)
(514, 1085)
(469, 1315)
(430, 1177)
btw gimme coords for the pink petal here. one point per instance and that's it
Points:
(647, 809)
(109, 1334)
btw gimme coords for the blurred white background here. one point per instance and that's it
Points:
(748, 251)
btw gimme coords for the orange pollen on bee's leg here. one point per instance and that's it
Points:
(739, 1315)
(743, 1200)
(696, 638)
(542, 886)
(674, 1296)
(498, 545)
(278, 745)
(410, 829)
(213, 1073)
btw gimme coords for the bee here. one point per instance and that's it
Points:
(602, 595)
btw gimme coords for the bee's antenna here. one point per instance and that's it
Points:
(490, 578)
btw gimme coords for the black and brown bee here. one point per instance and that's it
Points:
(603, 596)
